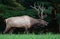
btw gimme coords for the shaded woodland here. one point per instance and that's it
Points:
(12, 8)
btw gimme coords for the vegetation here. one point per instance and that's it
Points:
(29, 36)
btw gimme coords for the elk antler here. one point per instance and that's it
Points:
(39, 8)
(36, 8)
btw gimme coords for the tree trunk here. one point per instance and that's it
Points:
(54, 19)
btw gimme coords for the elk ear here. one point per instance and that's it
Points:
(45, 15)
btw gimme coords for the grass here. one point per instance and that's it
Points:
(29, 36)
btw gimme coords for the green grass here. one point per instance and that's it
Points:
(29, 36)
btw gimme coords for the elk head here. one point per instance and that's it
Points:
(40, 9)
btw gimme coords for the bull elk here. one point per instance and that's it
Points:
(23, 21)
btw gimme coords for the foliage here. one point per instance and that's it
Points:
(13, 4)
(58, 17)
(12, 13)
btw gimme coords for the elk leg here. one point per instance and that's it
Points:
(11, 31)
(6, 29)
(26, 30)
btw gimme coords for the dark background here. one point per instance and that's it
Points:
(9, 8)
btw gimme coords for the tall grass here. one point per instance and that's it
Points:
(29, 36)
